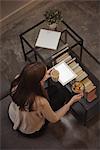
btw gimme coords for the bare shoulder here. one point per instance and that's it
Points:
(42, 101)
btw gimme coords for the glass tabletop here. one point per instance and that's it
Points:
(32, 35)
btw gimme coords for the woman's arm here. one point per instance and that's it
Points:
(52, 116)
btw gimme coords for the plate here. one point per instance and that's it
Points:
(78, 87)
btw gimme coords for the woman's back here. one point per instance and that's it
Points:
(27, 121)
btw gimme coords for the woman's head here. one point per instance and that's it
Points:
(32, 74)
(29, 84)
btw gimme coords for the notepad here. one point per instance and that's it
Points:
(48, 39)
(66, 74)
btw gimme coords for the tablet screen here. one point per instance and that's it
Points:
(66, 74)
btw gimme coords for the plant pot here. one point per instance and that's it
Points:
(53, 26)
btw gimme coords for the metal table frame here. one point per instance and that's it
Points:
(68, 31)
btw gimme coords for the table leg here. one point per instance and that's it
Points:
(22, 44)
(81, 48)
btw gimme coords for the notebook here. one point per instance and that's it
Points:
(48, 39)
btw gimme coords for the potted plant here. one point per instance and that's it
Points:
(53, 17)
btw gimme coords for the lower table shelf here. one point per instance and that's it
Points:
(85, 111)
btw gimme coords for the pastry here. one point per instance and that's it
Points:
(77, 87)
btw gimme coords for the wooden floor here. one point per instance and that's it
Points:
(8, 7)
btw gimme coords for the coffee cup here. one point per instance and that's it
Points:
(54, 75)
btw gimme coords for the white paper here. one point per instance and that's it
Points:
(48, 39)
(66, 74)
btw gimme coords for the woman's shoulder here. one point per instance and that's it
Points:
(42, 101)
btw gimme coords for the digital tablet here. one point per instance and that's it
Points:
(66, 74)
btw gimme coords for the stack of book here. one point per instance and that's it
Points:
(82, 76)
(90, 89)
(63, 57)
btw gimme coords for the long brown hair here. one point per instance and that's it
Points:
(29, 85)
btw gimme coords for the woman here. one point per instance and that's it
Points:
(30, 111)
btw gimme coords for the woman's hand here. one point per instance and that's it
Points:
(47, 75)
(77, 97)
(74, 99)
